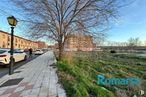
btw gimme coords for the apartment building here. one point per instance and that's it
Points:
(19, 42)
(79, 42)
(42, 44)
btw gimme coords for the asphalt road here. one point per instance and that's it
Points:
(5, 70)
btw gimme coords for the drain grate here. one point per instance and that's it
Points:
(12, 82)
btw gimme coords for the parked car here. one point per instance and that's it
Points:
(26, 50)
(21, 50)
(45, 49)
(18, 55)
(38, 52)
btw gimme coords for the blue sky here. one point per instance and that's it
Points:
(7, 9)
(131, 23)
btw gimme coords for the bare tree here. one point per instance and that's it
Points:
(134, 42)
(56, 19)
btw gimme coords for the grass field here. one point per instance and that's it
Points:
(78, 71)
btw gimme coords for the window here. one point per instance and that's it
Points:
(16, 40)
(4, 45)
(3, 35)
(8, 38)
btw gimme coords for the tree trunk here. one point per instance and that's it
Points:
(61, 49)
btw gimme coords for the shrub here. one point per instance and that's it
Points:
(112, 51)
(144, 76)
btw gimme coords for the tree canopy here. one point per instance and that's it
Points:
(56, 19)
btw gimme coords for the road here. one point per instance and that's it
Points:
(5, 70)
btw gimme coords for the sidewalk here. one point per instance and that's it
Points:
(37, 79)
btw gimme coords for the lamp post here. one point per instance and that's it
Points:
(12, 22)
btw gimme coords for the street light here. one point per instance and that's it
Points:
(12, 22)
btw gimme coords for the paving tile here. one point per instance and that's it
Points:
(11, 90)
(23, 84)
(6, 95)
(16, 94)
(28, 87)
(43, 92)
(4, 88)
(20, 89)
(35, 92)
(25, 93)
(40, 79)
(62, 94)
(1, 92)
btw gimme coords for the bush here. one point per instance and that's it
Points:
(112, 51)
(144, 76)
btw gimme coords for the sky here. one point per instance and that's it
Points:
(8, 9)
(130, 23)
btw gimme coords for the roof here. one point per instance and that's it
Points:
(16, 36)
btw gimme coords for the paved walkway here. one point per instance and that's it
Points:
(39, 79)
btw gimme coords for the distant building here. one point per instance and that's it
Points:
(51, 46)
(19, 42)
(79, 43)
(42, 44)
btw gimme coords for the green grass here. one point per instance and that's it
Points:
(79, 76)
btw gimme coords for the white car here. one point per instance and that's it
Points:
(38, 52)
(17, 55)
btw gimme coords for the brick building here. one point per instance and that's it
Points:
(19, 42)
(42, 44)
(79, 42)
